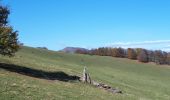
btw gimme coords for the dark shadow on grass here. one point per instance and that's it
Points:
(59, 75)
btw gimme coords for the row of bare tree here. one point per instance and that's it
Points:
(140, 54)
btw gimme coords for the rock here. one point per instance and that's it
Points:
(86, 76)
(106, 86)
(115, 91)
(95, 83)
(86, 79)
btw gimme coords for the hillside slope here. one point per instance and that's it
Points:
(138, 81)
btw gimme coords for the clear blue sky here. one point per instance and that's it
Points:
(92, 23)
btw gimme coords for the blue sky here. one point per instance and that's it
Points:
(92, 23)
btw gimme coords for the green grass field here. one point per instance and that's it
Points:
(138, 81)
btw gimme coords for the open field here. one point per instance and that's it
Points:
(138, 81)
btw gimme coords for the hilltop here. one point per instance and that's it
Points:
(72, 49)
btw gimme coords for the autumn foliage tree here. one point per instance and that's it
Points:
(151, 56)
(140, 54)
(118, 52)
(168, 59)
(159, 57)
(8, 37)
(143, 56)
(131, 54)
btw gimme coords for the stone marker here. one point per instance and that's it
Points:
(86, 79)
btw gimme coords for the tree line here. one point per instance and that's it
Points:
(140, 54)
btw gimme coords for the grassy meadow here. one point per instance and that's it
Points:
(138, 81)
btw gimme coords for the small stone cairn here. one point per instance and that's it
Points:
(86, 79)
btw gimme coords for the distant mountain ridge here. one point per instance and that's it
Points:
(73, 49)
